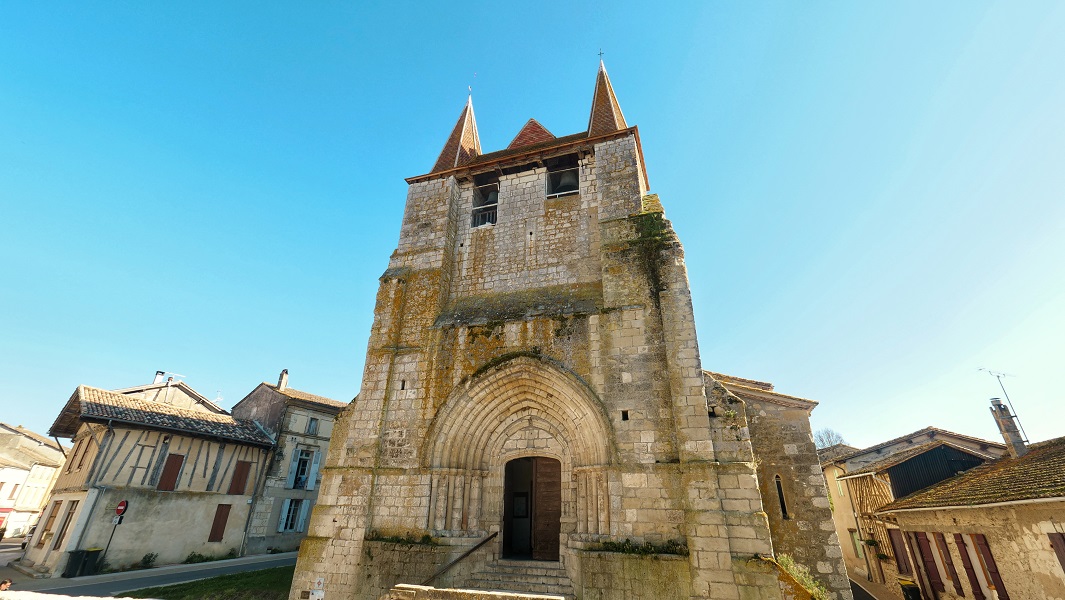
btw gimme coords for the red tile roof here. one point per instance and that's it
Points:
(304, 396)
(531, 133)
(919, 433)
(1039, 474)
(463, 144)
(606, 112)
(94, 404)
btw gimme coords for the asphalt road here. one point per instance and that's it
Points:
(109, 585)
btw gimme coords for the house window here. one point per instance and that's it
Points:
(168, 480)
(238, 485)
(898, 546)
(218, 526)
(857, 543)
(48, 524)
(290, 516)
(563, 175)
(66, 523)
(303, 469)
(780, 497)
(312, 426)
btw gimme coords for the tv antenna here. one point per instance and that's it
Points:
(998, 375)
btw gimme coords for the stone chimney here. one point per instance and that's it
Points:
(282, 382)
(1007, 425)
(158, 377)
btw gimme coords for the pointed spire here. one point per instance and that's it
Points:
(463, 144)
(606, 112)
(531, 133)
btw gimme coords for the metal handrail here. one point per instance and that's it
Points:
(448, 566)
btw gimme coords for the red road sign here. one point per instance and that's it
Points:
(121, 508)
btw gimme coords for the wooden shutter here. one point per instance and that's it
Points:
(168, 480)
(967, 562)
(312, 473)
(218, 528)
(929, 561)
(898, 546)
(989, 562)
(1057, 542)
(945, 554)
(547, 508)
(284, 514)
(301, 519)
(291, 480)
(239, 483)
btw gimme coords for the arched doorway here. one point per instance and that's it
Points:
(532, 508)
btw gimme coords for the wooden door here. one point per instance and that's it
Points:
(547, 508)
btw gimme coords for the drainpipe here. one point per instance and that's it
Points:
(260, 485)
(96, 479)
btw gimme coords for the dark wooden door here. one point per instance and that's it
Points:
(547, 508)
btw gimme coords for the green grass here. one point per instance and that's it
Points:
(267, 584)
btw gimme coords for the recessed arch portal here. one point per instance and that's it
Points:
(478, 419)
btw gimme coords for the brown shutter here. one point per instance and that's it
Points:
(929, 560)
(942, 543)
(899, 547)
(1057, 542)
(168, 480)
(989, 562)
(239, 482)
(967, 562)
(218, 528)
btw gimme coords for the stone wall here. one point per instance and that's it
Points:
(1018, 540)
(564, 330)
(784, 448)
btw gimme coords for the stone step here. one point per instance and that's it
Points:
(529, 576)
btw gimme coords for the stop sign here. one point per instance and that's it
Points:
(121, 508)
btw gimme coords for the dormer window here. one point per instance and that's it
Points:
(563, 175)
(485, 200)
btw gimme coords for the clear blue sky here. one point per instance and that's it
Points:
(870, 194)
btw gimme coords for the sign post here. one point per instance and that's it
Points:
(116, 520)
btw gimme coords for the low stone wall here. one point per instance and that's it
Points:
(419, 592)
(388, 564)
(616, 576)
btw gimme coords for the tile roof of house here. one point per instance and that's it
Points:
(1039, 474)
(94, 404)
(33, 435)
(750, 389)
(531, 133)
(829, 453)
(919, 433)
(902, 456)
(463, 144)
(198, 397)
(298, 395)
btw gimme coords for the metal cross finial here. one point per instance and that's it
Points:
(600, 54)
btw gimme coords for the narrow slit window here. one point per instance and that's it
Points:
(780, 496)
(624, 415)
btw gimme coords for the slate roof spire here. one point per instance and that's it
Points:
(463, 144)
(606, 112)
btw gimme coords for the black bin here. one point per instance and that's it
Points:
(91, 566)
(74, 562)
(910, 589)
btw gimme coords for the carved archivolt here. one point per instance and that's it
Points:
(471, 429)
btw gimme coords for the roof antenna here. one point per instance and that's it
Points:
(997, 375)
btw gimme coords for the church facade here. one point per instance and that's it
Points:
(534, 401)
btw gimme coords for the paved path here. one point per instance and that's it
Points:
(115, 583)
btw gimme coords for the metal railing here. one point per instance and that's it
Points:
(448, 566)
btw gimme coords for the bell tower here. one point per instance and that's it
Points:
(533, 390)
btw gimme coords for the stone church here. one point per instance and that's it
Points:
(534, 415)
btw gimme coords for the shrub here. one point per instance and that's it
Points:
(802, 574)
(646, 548)
(148, 560)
